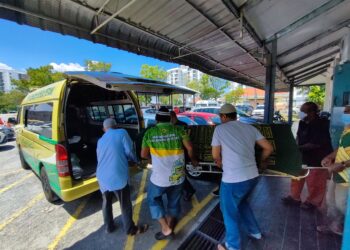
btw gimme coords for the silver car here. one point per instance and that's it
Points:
(3, 138)
(9, 132)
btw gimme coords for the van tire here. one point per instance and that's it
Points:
(24, 164)
(49, 194)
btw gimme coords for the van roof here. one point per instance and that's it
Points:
(49, 92)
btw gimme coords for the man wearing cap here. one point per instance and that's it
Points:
(114, 150)
(165, 144)
(233, 149)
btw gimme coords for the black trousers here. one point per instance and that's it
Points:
(187, 187)
(123, 196)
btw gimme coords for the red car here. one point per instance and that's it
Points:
(202, 118)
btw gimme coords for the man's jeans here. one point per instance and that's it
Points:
(156, 204)
(123, 196)
(235, 210)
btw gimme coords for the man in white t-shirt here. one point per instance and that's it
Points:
(233, 149)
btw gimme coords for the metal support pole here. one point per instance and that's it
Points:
(290, 106)
(183, 102)
(270, 83)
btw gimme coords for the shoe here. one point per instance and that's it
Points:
(110, 229)
(139, 229)
(307, 206)
(324, 229)
(161, 236)
(216, 192)
(288, 200)
(188, 196)
(257, 236)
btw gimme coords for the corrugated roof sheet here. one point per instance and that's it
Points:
(224, 38)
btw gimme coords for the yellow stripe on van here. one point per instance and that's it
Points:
(165, 152)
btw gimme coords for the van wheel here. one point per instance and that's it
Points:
(24, 164)
(193, 174)
(49, 194)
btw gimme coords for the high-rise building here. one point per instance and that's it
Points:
(182, 75)
(6, 76)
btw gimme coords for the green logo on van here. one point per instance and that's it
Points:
(41, 93)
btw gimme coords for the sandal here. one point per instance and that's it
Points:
(288, 200)
(161, 236)
(139, 229)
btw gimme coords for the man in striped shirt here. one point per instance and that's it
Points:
(165, 144)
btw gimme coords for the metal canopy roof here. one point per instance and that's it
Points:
(119, 81)
(225, 38)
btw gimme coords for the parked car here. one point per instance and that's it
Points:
(9, 132)
(3, 138)
(245, 108)
(241, 115)
(207, 103)
(203, 118)
(151, 121)
(259, 110)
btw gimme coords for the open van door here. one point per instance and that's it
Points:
(121, 82)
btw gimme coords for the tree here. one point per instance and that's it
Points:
(234, 95)
(209, 87)
(11, 101)
(37, 78)
(91, 65)
(153, 72)
(317, 94)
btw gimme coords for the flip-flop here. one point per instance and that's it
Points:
(139, 229)
(161, 236)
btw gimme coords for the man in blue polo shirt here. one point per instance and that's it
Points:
(114, 150)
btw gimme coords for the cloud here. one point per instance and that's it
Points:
(5, 66)
(62, 67)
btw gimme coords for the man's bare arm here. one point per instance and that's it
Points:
(267, 150)
(216, 152)
(189, 148)
(145, 153)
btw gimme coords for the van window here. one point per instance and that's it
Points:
(125, 114)
(38, 119)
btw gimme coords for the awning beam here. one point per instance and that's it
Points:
(110, 18)
(305, 19)
(305, 68)
(312, 53)
(301, 80)
(318, 37)
(309, 70)
(229, 45)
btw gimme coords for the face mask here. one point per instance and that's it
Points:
(302, 115)
(346, 119)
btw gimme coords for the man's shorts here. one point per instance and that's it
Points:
(156, 203)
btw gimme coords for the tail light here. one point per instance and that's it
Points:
(62, 161)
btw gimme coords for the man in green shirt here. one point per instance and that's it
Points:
(338, 164)
(165, 144)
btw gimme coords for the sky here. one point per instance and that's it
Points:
(23, 46)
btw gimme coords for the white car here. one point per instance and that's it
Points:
(3, 138)
(259, 110)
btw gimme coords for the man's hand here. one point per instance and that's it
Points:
(327, 162)
(194, 163)
(218, 162)
(336, 167)
(263, 165)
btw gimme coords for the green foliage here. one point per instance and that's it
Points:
(153, 72)
(91, 65)
(317, 94)
(210, 87)
(10, 101)
(37, 78)
(234, 95)
(144, 99)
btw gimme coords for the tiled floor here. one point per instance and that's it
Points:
(284, 227)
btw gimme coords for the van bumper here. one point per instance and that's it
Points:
(80, 189)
